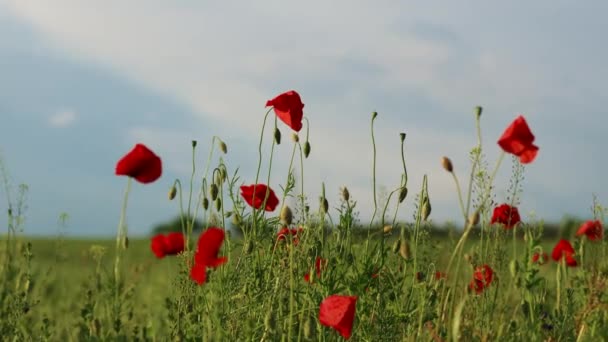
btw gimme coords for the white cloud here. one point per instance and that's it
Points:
(62, 118)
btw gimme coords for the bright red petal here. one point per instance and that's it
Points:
(140, 163)
(259, 190)
(209, 244)
(592, 229)
(157, 245)
(518, 140)
(198, 273)
(288, 107)
(338, 312)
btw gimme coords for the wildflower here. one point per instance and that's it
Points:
(338, 312)
(170, 244)
(593, 230)
(286, 232)
(482, 278)
(206, 255)
(140, 163)
(540, 258)
(440, 275)
(563, 250)
(288, 107)
(506, 215)
(256, 199)
(320, 264)
(518, 140)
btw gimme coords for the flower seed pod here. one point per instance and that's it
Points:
(295, 138)
(426, 208)
(218, 204)
(286, 216)
(404, 249)
(213, 191)
(223, 147)
(402, 194)
(306, 149)
(447, 164)
(396, 246)
(205, 203)
(172, 193)
(345, 194)
(277, 136)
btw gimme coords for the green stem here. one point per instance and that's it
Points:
(121, 235)
(257, 174)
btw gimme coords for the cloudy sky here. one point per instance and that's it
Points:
(82, 81)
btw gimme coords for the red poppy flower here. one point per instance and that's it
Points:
(482, 278)
(506, 215)
(256, 199)
(288, 107)
(539, 258)
(338, 312)
(140, 163)
(285, 232)
(563, 250)
(170, 244)
(440, 275)
(206, 255)
(518, 140)
(320, 264)
(593, 230)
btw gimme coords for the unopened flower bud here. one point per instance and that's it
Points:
(396, 246)
(324, 205)
(387, 229)
(277, 136)
(213, 191)
(402, 136)
(447, 164)
(306, 149)
(286, 216)
(223, 147)
(468, 258)
(426, 208)
(236, 219)
(294, 137)
(248, 247)
(478, 111)
(193, 143)
(125, 242)
(205, 203)
(218, 204)
(374, 115)
(345, 194)
(402, 194)
(404, 249)
(172, 193)
(474, 218)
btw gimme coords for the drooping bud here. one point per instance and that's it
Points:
(402, 136)
(426, 208)
(213, 191)
(277, 136)
(374, 115)
(193, 143)
(286, 215)
(306, 149)
(478, 111)
(402, 194)
(218, 204)
(172, 193)
(223, 147)
(294, 137)
(447, 164)
(345, 194)
(205, 203)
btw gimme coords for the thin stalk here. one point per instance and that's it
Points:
(121, 235)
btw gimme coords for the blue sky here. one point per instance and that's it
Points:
(82, 82)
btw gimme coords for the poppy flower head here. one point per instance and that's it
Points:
(538, 258)
(563, 250)
(198, 273)
(506, 215)
(209, 244)
(338, 312)
(482, 278)
(592, 229)
(320, 264)
(285, 232)
(289, 108)
(254, 196)
(518, 140)
(140, 163)
(170, 244)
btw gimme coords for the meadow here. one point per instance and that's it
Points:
(313, 272)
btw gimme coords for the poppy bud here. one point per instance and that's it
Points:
(193, 143)
(426, 208)
(223, 147)
(374, 115)
(218, 204)
(205, 203)
(402, 136)
(172, 193)
(404, 249)
(248, 247)
(468, 258)
(324, 205)
(478, 111)
(474, 218)
(277, 136)
(213, 191)
(402, 194)
(294, 137)
(387, 229)
(286, 216)
(396, 246)
(306, 149)
(447, 164)
(125, 242)
(306, 209)
(236, 219)
(345, 194)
